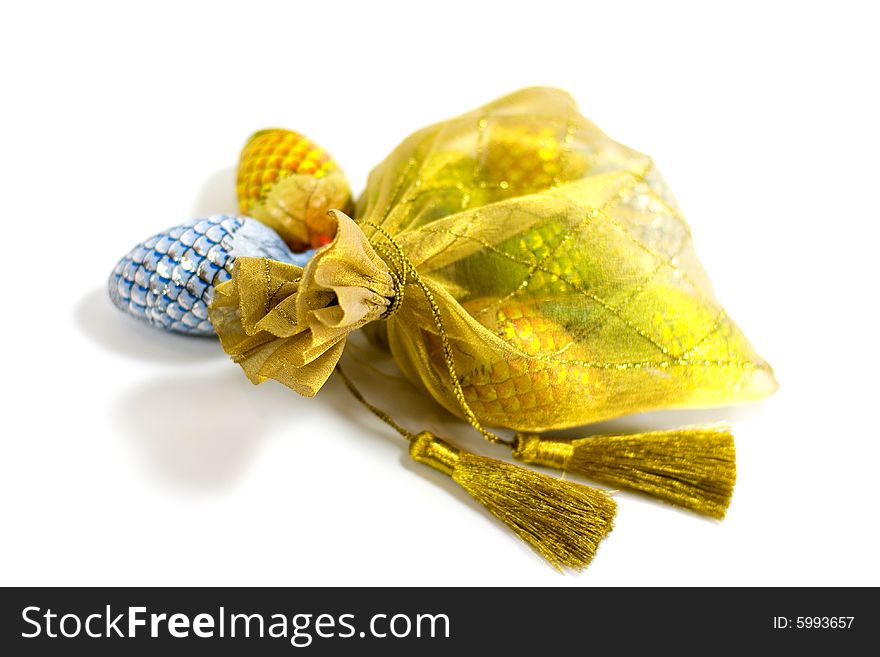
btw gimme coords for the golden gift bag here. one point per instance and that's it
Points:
(531, 274)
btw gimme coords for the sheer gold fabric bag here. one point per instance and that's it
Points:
(554, 260)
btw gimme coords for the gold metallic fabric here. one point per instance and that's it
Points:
(283, 322)
(562, 270)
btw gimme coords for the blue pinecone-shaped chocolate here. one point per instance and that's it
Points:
(168, 280)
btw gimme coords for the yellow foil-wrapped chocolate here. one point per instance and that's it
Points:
(289, 183)
(554, 261)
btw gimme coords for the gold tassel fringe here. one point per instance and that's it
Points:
(692, 468)
(563, 521)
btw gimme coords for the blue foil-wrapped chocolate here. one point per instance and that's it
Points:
(169, 279)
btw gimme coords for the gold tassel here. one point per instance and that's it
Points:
(563, 521)
(693, 468)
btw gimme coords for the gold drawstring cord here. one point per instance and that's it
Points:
(399, 260)
(378, 412)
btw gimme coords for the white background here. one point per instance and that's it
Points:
(134, 457)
